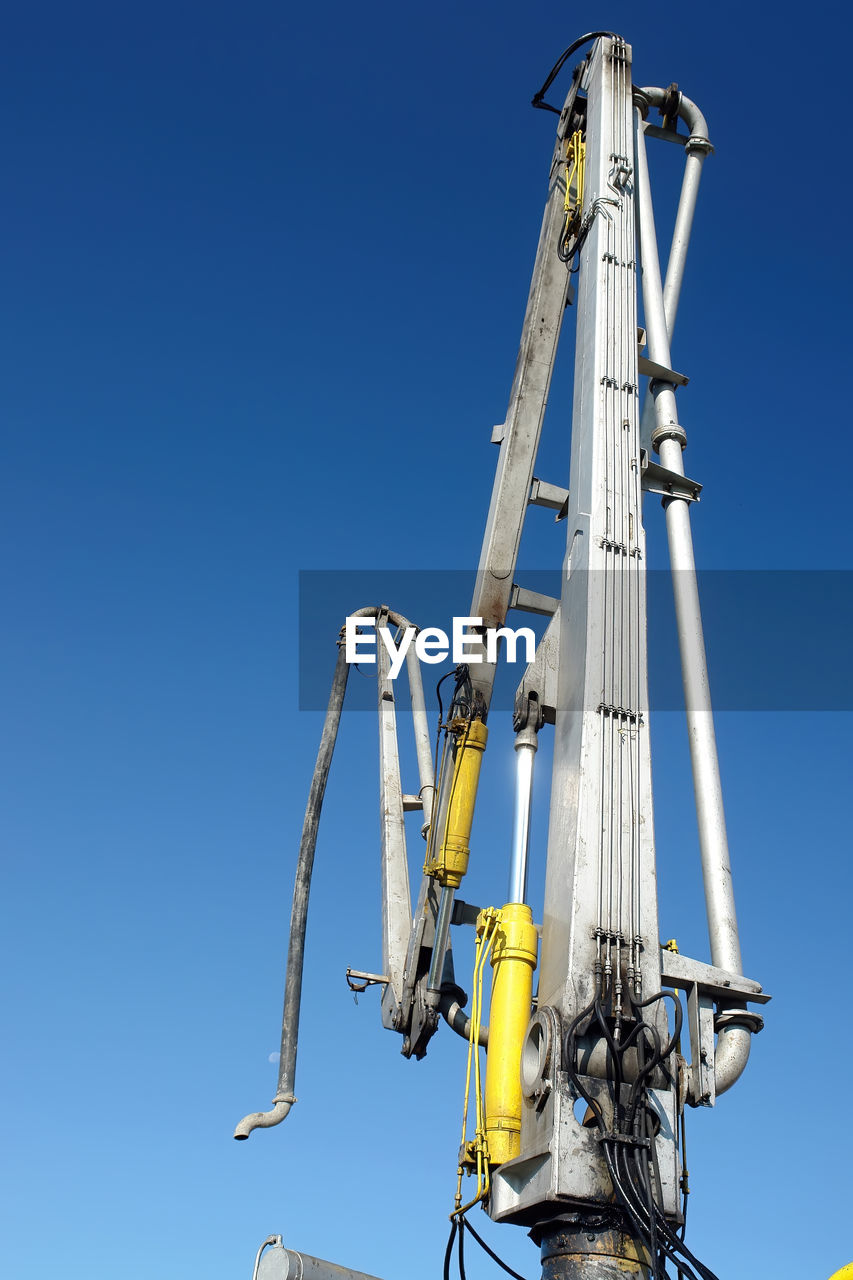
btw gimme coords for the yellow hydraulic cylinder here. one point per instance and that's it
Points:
(449, 865)
(513, 959)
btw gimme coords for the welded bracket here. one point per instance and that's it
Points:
(536, 696)
(669, 484)
(706, 987)
(649, 369)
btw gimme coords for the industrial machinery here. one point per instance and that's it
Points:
(591, 1057)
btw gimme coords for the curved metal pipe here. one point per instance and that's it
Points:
(269, 1240)
(697, 147)
(687, 110)
(455, 1017)
(264, 1119)
(733, 1041)
(731, 1055)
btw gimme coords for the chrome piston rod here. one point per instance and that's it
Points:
(525, 751)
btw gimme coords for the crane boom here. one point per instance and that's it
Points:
(576, 1132)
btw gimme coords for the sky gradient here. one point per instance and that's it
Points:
(264, 269)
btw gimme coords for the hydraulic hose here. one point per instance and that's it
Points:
(284, 1097)
(457, 1019)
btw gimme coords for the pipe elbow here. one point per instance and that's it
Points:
(731, 1056)
(264, 1119)
(689, 113)
(455, 1017)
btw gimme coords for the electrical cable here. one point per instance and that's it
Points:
(628, 1143)
(448, 1253)
(462, 1251)
(481, 1242)
(537, 99)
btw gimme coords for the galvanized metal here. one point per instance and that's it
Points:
(396, 898)
(697, 148)
(423, 741)
(521, 431)
(600, 937)
(716, 867)
(600, 927)
(734, 1040)
(277, 1263)
(600, 842)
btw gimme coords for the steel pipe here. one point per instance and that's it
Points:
(730, 1056)
(733, 1042)
(279, 1263)
(697, 147)
(270, 1240)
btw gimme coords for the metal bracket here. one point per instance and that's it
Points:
(665, 135)
(543, 494)
(649, 369)
(357, 980)
(536, 696)
(681, 971)
(706, 985)
(532, 601)
(669, 484)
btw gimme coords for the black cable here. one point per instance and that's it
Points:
(680, 1247)
(454, 1227)
(462, 1250)
(633, 1169)
(446, 676)
(537, 99)
(481, 1242)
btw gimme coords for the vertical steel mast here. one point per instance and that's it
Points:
(598, 1177)
(600, 929)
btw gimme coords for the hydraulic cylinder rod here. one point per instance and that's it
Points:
(525, 750)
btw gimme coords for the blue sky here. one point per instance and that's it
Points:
(264, 269)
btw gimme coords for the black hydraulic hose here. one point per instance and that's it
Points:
(284, 1098)
(538, 98)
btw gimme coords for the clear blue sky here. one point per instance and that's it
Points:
(263, 274)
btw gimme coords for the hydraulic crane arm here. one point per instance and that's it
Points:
(577, 1125)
